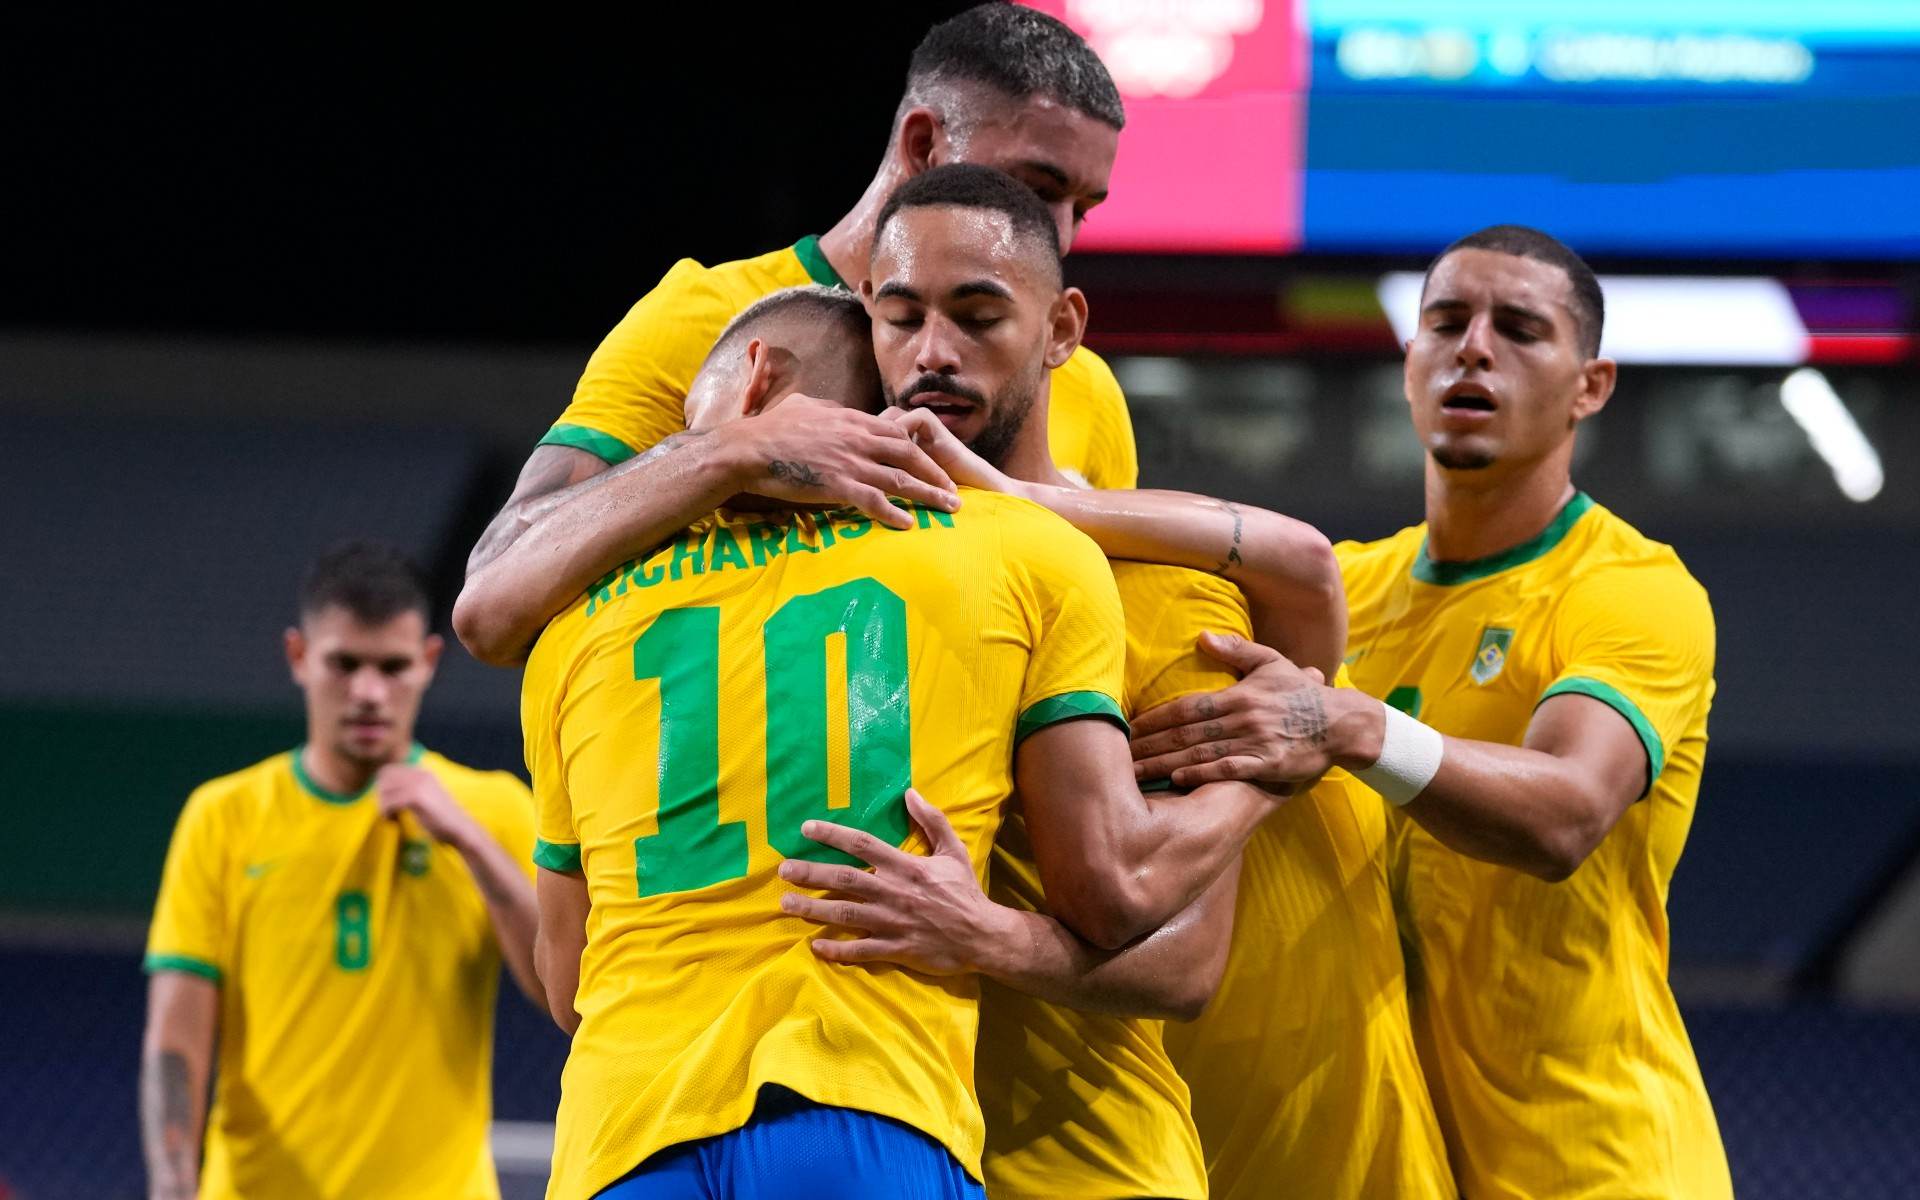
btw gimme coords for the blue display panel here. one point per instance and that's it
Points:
(1752, 130)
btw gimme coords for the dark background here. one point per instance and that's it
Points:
(494, 178)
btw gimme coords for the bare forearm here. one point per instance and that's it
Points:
(1513, 806)
(511, 908)
(563, 908)
(1285, 567)
(173, 1088)
(1188, 840)
(560, 980)
(544, 552)
(1169, 974)
(1518, 806)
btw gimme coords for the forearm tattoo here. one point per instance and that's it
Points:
(167, 1118)
(1233, 551)
(1304, 718)
(796, 473)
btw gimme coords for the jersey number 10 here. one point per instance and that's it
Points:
(693, 848)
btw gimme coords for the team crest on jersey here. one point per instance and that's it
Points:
(1491, 658)
(414, 857)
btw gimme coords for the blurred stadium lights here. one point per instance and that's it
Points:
(1836, 437)
(1666, 320)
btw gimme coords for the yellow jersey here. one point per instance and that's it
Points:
(633, 393)
(850, 661)
(321, 920)
(1304, 1075)
(1078, 1104)
(1551, 1041)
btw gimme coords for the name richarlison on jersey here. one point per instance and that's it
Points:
(724, 547)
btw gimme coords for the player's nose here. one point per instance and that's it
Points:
(1476, 343)
(938, 352)
(1064, 223)
(367, 686)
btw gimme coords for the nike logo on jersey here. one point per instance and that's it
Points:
(256, 870)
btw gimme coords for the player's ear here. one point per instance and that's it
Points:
(295, 643)
(1596, 387)
(430, 651)
(1069, 318)
(921, 141)
(759, 381)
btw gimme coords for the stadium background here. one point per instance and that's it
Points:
(268, 287)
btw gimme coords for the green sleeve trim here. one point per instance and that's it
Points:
(1447, 574)
(556, 856)
(1068, 706)
(181, 962)
(603, 446)
(814, 259)
(1580, 685)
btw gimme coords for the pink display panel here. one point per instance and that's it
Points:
(1210, 160)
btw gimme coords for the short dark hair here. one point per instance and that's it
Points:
(372, 580)
(824, 304)
(967, 185)
(1523, 241)
(1020, 53)
(815, 310)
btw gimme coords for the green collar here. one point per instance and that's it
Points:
(312, 788)
(808, 251)
(1445, 574)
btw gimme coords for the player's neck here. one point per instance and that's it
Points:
(849, 244)
(1471, 515)
(1030, 458)
(333, 771)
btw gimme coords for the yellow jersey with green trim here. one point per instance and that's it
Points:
(695, 707)
(1551, 1041)
(1304, 1074)
(1079, 1104)
(633, 393)
(320, 920)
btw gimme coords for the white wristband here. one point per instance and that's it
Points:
(1409, 758)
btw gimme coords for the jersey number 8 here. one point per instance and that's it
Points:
(681, 649)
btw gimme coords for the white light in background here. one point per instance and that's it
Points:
(1709, 321)
(1835, 435)
(1165, 47)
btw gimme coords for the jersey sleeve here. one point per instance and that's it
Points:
(632, 395)
(190, 918)
(1639, 639)
(1168, 608)
(555, 844)
(1077, 664)
(1113, 460)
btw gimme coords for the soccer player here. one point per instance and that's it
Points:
(1306, 1071)
(713, 1052)
(998, 84)
(333, 920)
(1546, 672)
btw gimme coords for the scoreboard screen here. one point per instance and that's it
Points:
(1751, 129)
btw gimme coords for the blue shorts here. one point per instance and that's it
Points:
(794, 1149)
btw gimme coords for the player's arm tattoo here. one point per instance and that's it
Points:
(1233, 549)
(797, 473)
(1304, 718)
(547, 482)
(166, 1119)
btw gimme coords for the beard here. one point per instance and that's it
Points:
(1006, 412)
(1460, 458)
